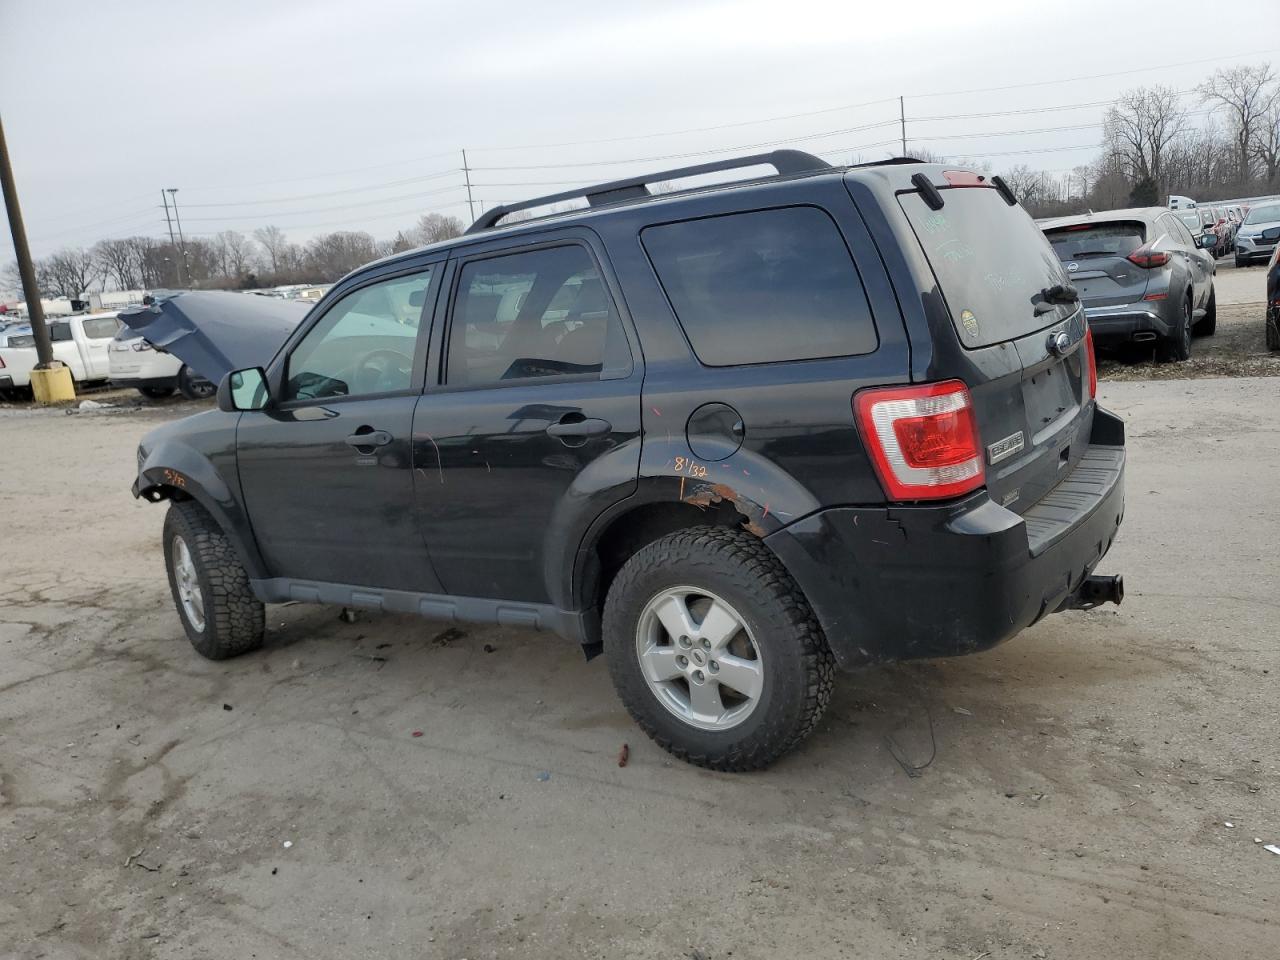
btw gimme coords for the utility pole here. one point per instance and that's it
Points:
(902, 117)
(35, 312)
(466, 172)
(182, 241)
(173, 244)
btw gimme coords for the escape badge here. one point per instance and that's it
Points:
(969, 322)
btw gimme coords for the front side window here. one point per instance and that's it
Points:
(539, 313)
(365, 344)
(763, 287)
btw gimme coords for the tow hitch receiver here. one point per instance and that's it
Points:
(1095, 591)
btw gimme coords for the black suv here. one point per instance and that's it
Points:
(732, 436)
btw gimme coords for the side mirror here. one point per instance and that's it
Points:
(243, 390)
(1206, 241)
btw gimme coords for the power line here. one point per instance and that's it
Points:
(674, 133)
(332, 173)
(344, 206)
(332, 193)
(1095, 76)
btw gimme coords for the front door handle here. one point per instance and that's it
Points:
(579, 427)
(369, 438)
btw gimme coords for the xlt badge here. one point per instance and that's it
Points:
(1003, 449)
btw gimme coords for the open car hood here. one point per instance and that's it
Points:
(213, 332)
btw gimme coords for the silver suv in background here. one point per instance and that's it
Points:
(1141, 275)
(1257, 236)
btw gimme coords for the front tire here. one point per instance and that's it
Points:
(714, 651)
(210, 587)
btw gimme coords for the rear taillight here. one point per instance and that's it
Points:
(923, 440)
(1091, 358)
(1148, 256)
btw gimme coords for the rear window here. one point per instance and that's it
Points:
(763, 287)
(1084, 240)
(991, 261)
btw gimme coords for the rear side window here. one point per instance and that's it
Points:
(763, 287)
(1083, 240)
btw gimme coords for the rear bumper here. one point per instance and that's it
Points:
(1124, 321)
(899, 583)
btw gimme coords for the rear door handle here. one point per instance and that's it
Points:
(370, 438)
(587, 427)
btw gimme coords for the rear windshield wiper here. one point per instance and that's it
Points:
(1059, 293)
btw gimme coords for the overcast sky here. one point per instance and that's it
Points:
(324, 115)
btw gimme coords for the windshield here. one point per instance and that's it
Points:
(1267, 214)
(991, 261)
(1082, 240)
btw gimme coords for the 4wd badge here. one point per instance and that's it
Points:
(969, 322)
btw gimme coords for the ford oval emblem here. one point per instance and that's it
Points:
(1072, 267)
(1059, 343)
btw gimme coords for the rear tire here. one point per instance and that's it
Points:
(156, 393)
(746, 626)
(1177, 346)
(210, 587)
(193, 386)
(1208, 324)
(1273, 331)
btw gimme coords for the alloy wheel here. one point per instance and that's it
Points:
(699, 658)
(188, 581)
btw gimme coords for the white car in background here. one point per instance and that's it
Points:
(80, 342)
(152, 372)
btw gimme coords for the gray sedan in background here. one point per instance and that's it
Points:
(1141, 274)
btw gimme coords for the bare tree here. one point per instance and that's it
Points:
(1139, 129)
(275, 245)
(117, 263)
(332, 255)
(434, 227)
(67, 273)
(234, 251)
(1245, 93)
(1266, 138)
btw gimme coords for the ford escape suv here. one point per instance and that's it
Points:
(732, 436)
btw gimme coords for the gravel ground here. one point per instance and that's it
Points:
(1236, 350)
(1095, 788)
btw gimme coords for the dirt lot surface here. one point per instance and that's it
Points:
(1237, 349)
(1097, 789)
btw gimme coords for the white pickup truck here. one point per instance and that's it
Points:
(80, 342)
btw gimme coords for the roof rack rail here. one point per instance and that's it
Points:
(786, 162)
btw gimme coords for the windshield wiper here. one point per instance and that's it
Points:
(1060, 293)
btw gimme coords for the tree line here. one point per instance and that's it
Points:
(229, 260)
(1151, 149)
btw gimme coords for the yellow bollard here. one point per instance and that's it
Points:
(53, 385)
